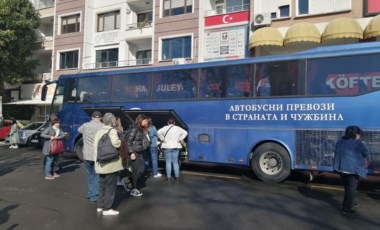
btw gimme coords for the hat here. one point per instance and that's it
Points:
(96, 114)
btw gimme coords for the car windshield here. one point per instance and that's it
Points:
(32, 126)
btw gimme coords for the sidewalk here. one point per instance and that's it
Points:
(2, 143)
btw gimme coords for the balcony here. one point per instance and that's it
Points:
(139, 30)
(114, 64)
(227, 10)
(45, 7)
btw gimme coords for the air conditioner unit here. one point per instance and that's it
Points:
(46, 76)
(262, 19)
(178, 61)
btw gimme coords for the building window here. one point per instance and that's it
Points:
(109, 21)
(143, 57)
(107, 58)
(70, 24)
(177, 7)
(176, 48)
(303, 7)
(68, 60)
(284, 11)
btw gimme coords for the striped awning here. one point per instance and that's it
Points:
(302, 32)
(373, 28)
(267, 36)
(342, 28)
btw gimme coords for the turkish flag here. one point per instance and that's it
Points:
(242, 16)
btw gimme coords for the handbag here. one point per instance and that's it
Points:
(106, 151)
(56, 147)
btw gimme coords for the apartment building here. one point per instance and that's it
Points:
(92, 35)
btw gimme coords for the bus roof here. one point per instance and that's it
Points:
(319, 52)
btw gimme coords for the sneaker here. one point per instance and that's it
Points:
(15, 147)
(348, 211)
(158, 175)
(356, 204)
(99, 210)
(125, 186)
(11, 147)
(50, 177)
(136, 192)
(56, 175)
(110, 212)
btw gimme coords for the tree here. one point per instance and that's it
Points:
(18, 24)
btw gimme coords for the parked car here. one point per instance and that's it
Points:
(27, 131)
(4, 130)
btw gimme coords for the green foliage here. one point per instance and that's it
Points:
(20, 112)
(18, 23)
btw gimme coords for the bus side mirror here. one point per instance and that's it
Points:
(44, 92)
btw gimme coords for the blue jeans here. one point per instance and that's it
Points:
(50, 162)
(350, 182)
(92, 180)
(171, 157)
(153, 157)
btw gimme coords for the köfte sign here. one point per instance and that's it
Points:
(227, 18)
(351, 84)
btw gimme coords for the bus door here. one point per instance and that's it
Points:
(117, 111)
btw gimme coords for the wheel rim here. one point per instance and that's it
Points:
(271, 163)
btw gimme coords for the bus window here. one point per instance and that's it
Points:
(180, 84)
(94, 89)
(71, 93)
(238, 81)
(225, 81)
(131, 86)
(351, 75)
(210, 83)
(279, 79)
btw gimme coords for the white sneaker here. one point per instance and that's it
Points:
(15, 147)
(158, 175)
(110, 212)
(99, 210)
(11, 147)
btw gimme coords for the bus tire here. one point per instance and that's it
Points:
(271, 163)
(79, 148)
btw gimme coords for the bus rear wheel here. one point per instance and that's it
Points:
(79, 149)
(271, 163)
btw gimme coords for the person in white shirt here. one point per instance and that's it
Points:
(171, 136)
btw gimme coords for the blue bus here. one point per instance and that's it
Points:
(273, 114)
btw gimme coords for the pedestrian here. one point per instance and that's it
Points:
(138, 143)
(351, 162)
(88, 130)
(51, 133)
(14, 135)
(152, 131)
(171, 137)
(108, 171)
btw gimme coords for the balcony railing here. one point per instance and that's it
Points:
(226, 10)
(42, 4)
(113, 64)
(139, 25)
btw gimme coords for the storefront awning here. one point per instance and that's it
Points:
(302, 32)
(30, 102)
(267, 36)
(342, 28)
(373, 28)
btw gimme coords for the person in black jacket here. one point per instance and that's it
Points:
(138, 143)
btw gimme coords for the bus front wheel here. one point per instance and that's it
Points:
(271, 162)
(79, 148)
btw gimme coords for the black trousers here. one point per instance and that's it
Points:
(107, 190)
(350, 182)
(138, 168)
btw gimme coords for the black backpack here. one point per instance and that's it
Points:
(106, 151)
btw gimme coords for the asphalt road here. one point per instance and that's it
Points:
(208, 197)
